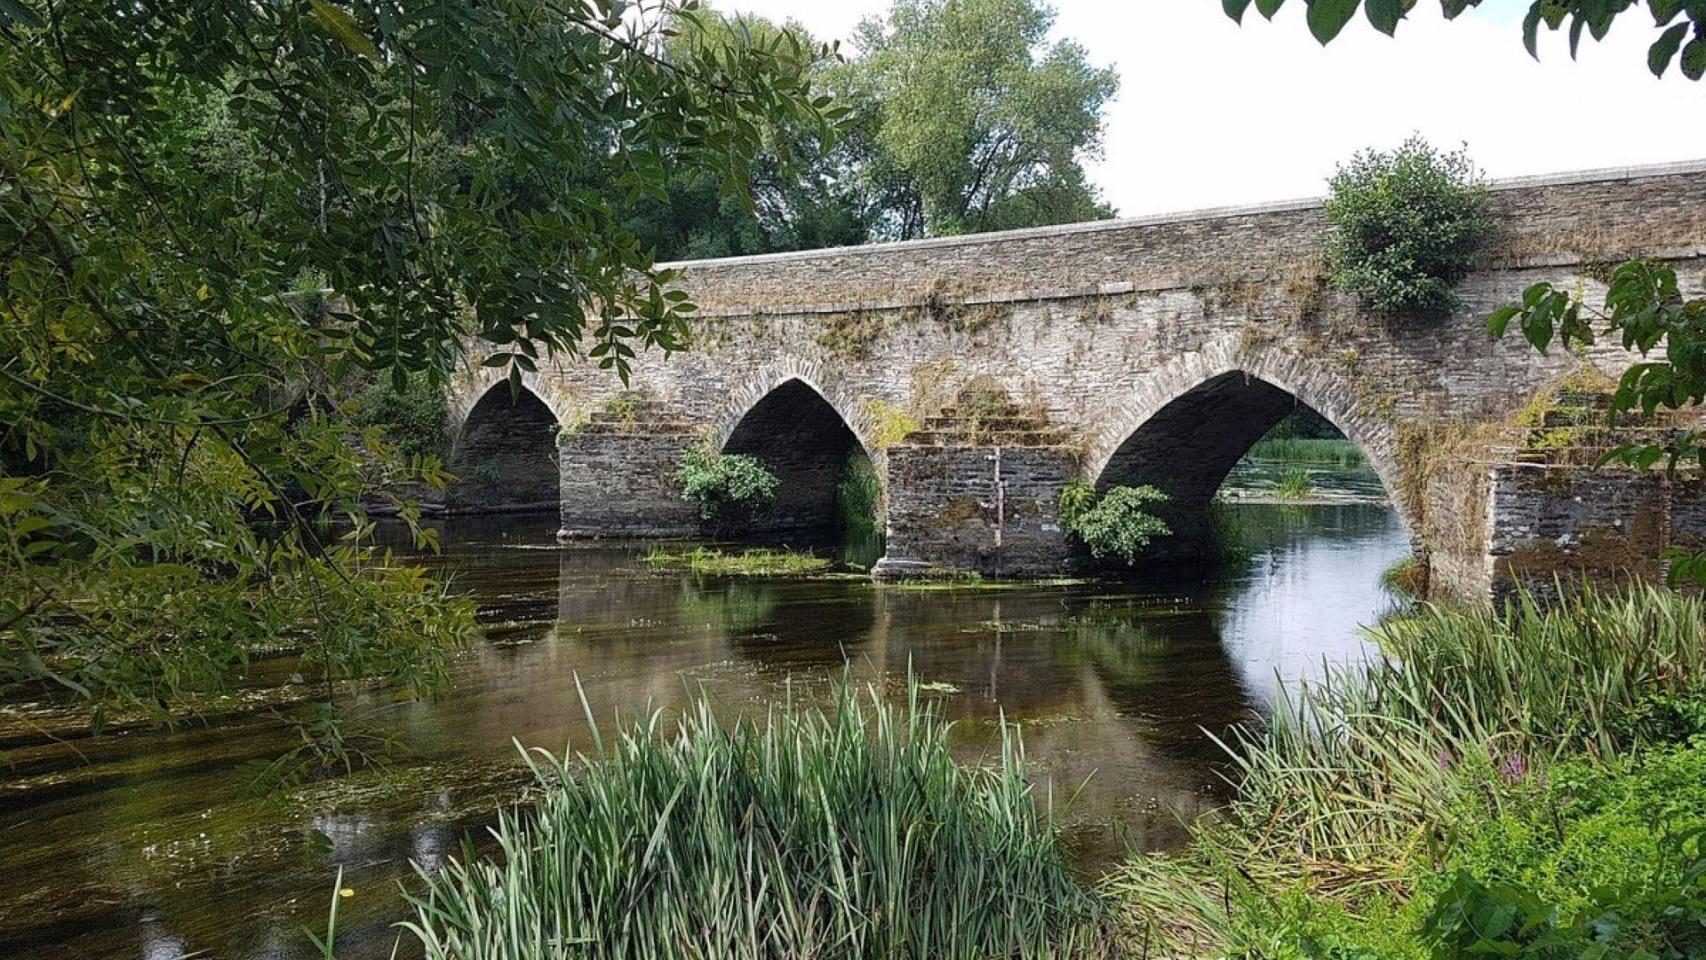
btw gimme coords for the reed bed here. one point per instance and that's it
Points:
(1354, 768)
(1344, 453)
(845, 831)
(1357, 779)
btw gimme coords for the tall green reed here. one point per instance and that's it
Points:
(1361, 778)
(846, 831)
(1342, 452)
(1365, 765)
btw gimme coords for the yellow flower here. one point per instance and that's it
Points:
(346, 892)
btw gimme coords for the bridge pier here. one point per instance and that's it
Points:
(1500, 528)
(618, 473)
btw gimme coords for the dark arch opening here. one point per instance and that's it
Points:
(1188, 448)
(505, 458)
(801, 438)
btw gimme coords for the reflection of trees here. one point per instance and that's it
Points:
(1122, 650)
(1163, 663)
(736, 607)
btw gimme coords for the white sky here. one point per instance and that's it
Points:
(1210, 113)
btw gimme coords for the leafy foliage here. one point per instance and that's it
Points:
(847, 832)
(1644, 309)
(413, 418)
(1533, 750)
(1116, 524)
(1406, 226)
(980, 121)
(726, 486)
(1680, 22)
(961, 117)
(1595, 861)
(215, 211)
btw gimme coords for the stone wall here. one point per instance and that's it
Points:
(984, 509)
(621, 483)
(1562, 524)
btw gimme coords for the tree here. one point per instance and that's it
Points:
(982, 121)
(1644, 307)
(802, 190)
(211, 209)
(1003, 151)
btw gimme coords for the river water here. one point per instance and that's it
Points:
(144, 844)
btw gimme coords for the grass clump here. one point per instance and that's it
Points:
(846, 831)
(1295, 484)
(1405, 578)
(759, 562)
(1368, 798)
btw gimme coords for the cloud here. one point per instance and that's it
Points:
(1211, 113)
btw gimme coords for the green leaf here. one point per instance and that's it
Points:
(1531, 30)
(1268, 8)
(1694, 59)
(1500, 319)
(1664, 49)
(337, 21)
(1385, 14)
(1235, 8)
(15, 14)
(1327, 17)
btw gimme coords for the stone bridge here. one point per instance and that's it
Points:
(981, 374)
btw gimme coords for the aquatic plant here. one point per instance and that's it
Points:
(846, 831)
(1295, 484)
(1117, 523)
(758, 562)
(858, 496)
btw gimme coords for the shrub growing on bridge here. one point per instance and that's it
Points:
(1118, 523)
(727, 486)
(1407, 225)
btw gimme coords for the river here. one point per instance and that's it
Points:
(146, 844)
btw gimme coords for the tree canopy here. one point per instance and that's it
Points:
(211, 210)
(961, 117)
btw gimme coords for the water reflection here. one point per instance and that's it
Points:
(149, 847)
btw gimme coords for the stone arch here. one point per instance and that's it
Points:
(1209, 406)
(819, 377)
(503, 451)
(801, 432)
(472, 384)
